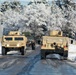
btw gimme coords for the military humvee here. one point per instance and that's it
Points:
(55, 43)
(13, 41)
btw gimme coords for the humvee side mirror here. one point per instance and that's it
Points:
(71, 41)
(41, 43)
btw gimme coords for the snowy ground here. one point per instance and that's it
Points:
(72, 52)
(51, 66)
(14, 62)
(31, 64)
(0, 49)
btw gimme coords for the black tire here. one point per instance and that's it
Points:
(22, 51)
(4, 52)
(43, 54)
(65, 55)
(61, 54)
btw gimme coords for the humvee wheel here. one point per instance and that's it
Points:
(43, 56)
(4, 52)
(65, 55)
(22, 51)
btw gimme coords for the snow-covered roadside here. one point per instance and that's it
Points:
(72, 52)
(72, 55)
(0, 48)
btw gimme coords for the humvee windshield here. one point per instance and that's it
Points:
(18, 38)
(8, 38)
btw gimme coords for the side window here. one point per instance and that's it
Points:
(59, 33)
(71, 41)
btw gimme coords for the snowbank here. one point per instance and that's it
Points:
(0, 48)
(72, 52)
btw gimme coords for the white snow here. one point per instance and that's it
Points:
(50, 15)
(0, 48)
(72, 52)
(13, 52)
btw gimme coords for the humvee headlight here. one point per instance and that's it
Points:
(7, 45)
(18, 45)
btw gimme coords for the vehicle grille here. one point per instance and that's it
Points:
(13, 44)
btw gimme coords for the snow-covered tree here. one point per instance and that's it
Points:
(13, 18)
(35, 13)
(69, 16)
(1, 16)
(37, 18)
(15, 5)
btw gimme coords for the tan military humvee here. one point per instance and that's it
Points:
(13, 41)
(55, 43)
(0, 39)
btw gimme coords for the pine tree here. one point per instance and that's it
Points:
(6, 5)
(65, 3)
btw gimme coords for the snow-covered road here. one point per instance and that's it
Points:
(31, 64)
(53, 66)
(14, 62)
